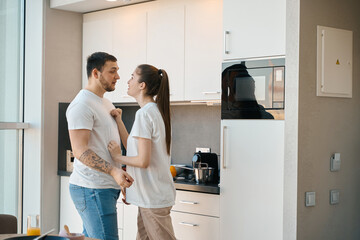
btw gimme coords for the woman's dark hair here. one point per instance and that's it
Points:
(157, 84)
(97, 60)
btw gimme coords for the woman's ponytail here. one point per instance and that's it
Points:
(163, 103)
(157, 84)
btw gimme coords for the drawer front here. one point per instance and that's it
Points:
(199, 203)
(190, 226)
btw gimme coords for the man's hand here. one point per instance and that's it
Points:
(116, 114)
(121, 177)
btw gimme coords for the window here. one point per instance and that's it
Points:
(11, 105)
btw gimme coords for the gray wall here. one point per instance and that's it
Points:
(328, 125)
(62, 81)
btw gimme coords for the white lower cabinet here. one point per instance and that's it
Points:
(196, 216)
(120, 218)
(68, 212)
(130, 222)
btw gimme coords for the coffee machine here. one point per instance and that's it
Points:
(211, 160)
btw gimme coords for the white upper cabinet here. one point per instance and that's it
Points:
(165, 44)
(203, 45)
(184, 37)
(253, 28)
(129, 47)
(97, 36)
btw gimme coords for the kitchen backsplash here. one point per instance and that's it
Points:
(192, 126)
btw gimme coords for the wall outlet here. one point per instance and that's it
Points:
(203, 149)
(310, 199)
(335, 162)
(334, 197)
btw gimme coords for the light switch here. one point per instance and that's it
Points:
(335, 162)
(334, 197)
(309, 199)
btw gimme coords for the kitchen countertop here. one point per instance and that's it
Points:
(181, 185)
(194, 187)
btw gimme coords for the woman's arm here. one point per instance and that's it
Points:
(142, 160)
(117, 114)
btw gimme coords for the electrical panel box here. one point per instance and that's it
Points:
(334, 62)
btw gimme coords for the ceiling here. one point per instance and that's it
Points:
(84, 6)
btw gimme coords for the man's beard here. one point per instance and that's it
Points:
(107, 86)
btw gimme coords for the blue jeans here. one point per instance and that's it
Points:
(97, 209)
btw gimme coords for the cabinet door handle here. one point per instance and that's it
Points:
(226, 45)
(188, 202)
(217, 92)
(223, 147)
(189, 224)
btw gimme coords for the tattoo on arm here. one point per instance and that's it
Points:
(91, 159)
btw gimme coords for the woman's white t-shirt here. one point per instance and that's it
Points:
(153, 187)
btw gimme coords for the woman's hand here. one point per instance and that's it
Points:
(114, 150)
(116, 114)
(123, 191)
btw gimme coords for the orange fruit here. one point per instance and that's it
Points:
(173, 171)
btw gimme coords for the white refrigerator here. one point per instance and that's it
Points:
(251, 179)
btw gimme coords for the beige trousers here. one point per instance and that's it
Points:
(154, 224)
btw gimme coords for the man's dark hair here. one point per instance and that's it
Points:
(97, 60)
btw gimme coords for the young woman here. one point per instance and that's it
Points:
(148, 153)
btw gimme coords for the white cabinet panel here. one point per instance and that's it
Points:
(120, 214)
(191, 226)
(256, 28)
(120, 233)
(165, 45)
(199, 203)
(203, 44)
(251, 184)
(130, 222)
(68, 212)
(97, 32)
(129, 47)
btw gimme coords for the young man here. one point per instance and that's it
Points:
(96, 180)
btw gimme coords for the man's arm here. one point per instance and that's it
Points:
(79, 143)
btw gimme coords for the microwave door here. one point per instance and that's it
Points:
(263, 80)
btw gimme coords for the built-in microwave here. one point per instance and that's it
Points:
(253, 89)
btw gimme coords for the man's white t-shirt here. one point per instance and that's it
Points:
(153, 187)
(89, 111)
